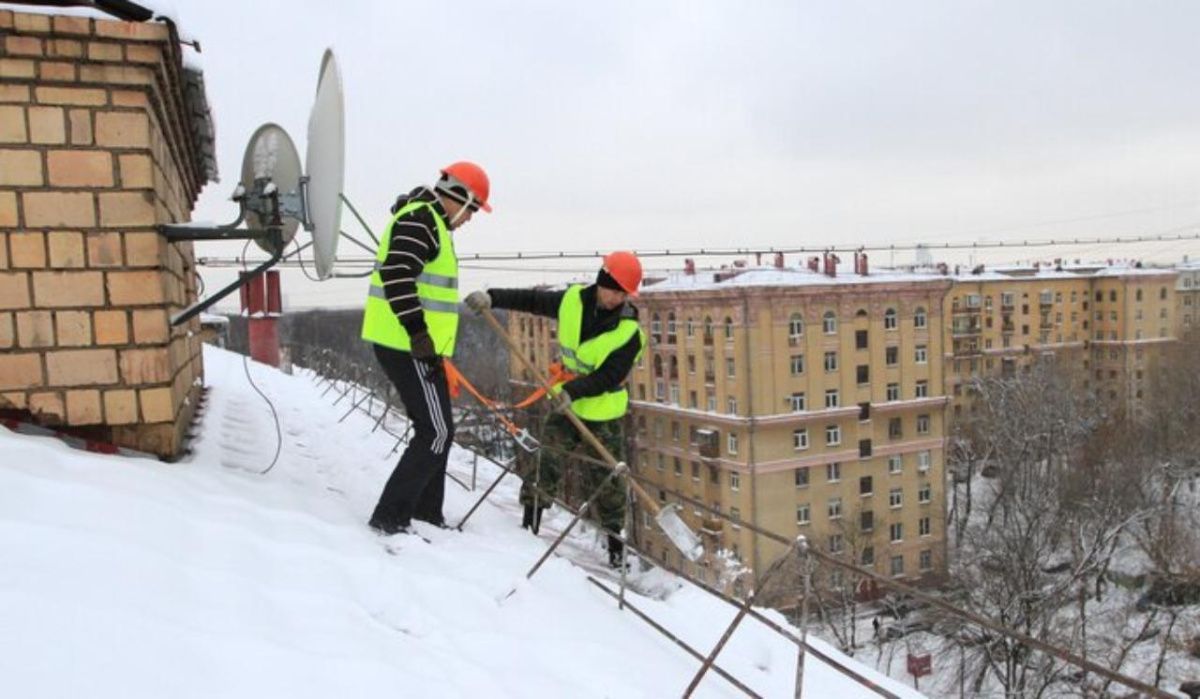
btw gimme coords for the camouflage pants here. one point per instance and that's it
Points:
(558, 432)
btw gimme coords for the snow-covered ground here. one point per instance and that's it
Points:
(126, 577)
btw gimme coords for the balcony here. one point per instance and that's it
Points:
(712, 526)
(966, 348)
(966, 329)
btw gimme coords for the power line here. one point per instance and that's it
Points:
(522, 256)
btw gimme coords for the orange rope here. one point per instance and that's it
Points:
(456, 381)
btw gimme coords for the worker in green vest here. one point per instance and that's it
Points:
(599, 341)
(411, 318)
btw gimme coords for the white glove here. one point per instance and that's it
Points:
(479, 300)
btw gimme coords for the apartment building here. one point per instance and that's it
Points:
(1187, 295)
(802, 401)
(1108, 320)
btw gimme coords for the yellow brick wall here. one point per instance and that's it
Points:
(94, 154)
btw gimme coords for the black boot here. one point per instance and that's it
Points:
(527, 518)
(616, 548)
(537, 519)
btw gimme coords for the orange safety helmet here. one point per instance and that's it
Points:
(624, 267)
(470, 177)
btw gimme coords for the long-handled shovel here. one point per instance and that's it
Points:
(667, 517)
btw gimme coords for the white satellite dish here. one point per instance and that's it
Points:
(275, 198)
(272, 157)
(325, 162)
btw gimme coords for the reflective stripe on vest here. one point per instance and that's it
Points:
(584, 358)
(437, 292)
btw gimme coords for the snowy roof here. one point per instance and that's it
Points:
(781, 277)
(210, 578)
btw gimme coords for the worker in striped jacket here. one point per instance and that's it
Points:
(411, 318)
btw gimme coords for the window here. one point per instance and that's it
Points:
(860, 339)
(833, 472)
(926, 559)
(801, 477)
(730, 367)
(863, 374)
(1138, 295)
(656, 328)
(797, 402)
(837, 543)
(795, 328)
(678, 466)
(728, 328)
(868, 556)
(1112, 295)
(735, 481)
(671, 328)
(731, 405)
(674, 393)
(895, 498)
(865, 486)
(689, 327)
(893, 391)
(1162, 294)
(919, 318)
(895, 463)
(864, 412)
(896, 532)
(803, 515)
(891, 356)
(864, 448)
(924, 494)
(895, 428)
(691, 364)
(800, 439)
(736, 515)
(829, 323)
(797, 364)
(923, 526)
(866, 520)
(731, 444)
(695, 471)
(833, 435)
(831, 398)
(922, 389)
(922, 424)
(830, 361)
(921, 355)
(711, 402)
(897, 565)
(835, 508)
(693, 401)
(924, 459)
(889, 319)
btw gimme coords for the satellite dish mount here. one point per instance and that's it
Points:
(275, 197)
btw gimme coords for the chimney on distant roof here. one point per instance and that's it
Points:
(860, 263)
(779, 260)
(689, 266)
(758, 259)
(831, 263)
(943, 268)
(814, 263)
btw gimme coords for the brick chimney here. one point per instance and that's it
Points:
(99, 142)
(779, 260)
(814, 263)
(689, 266)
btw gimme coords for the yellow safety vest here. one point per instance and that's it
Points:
(437, 290)
(584, 358)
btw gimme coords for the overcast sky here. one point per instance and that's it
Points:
(658, 124)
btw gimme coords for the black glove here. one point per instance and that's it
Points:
(422, 348)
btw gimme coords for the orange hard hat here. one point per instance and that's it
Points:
(624, 267)
(470, 178)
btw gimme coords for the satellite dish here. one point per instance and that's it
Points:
(271, 157)
(325, 163)
(276, 198)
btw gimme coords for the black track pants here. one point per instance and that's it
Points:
(417, 485)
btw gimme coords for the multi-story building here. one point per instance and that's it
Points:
(1109, 320)
(1187, 294)
(800, 401)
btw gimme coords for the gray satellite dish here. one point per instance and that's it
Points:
(325, 162)
(275, 198)
(271, 157)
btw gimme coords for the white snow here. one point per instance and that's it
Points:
(133, 578)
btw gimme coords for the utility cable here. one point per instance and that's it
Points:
(246, 369)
